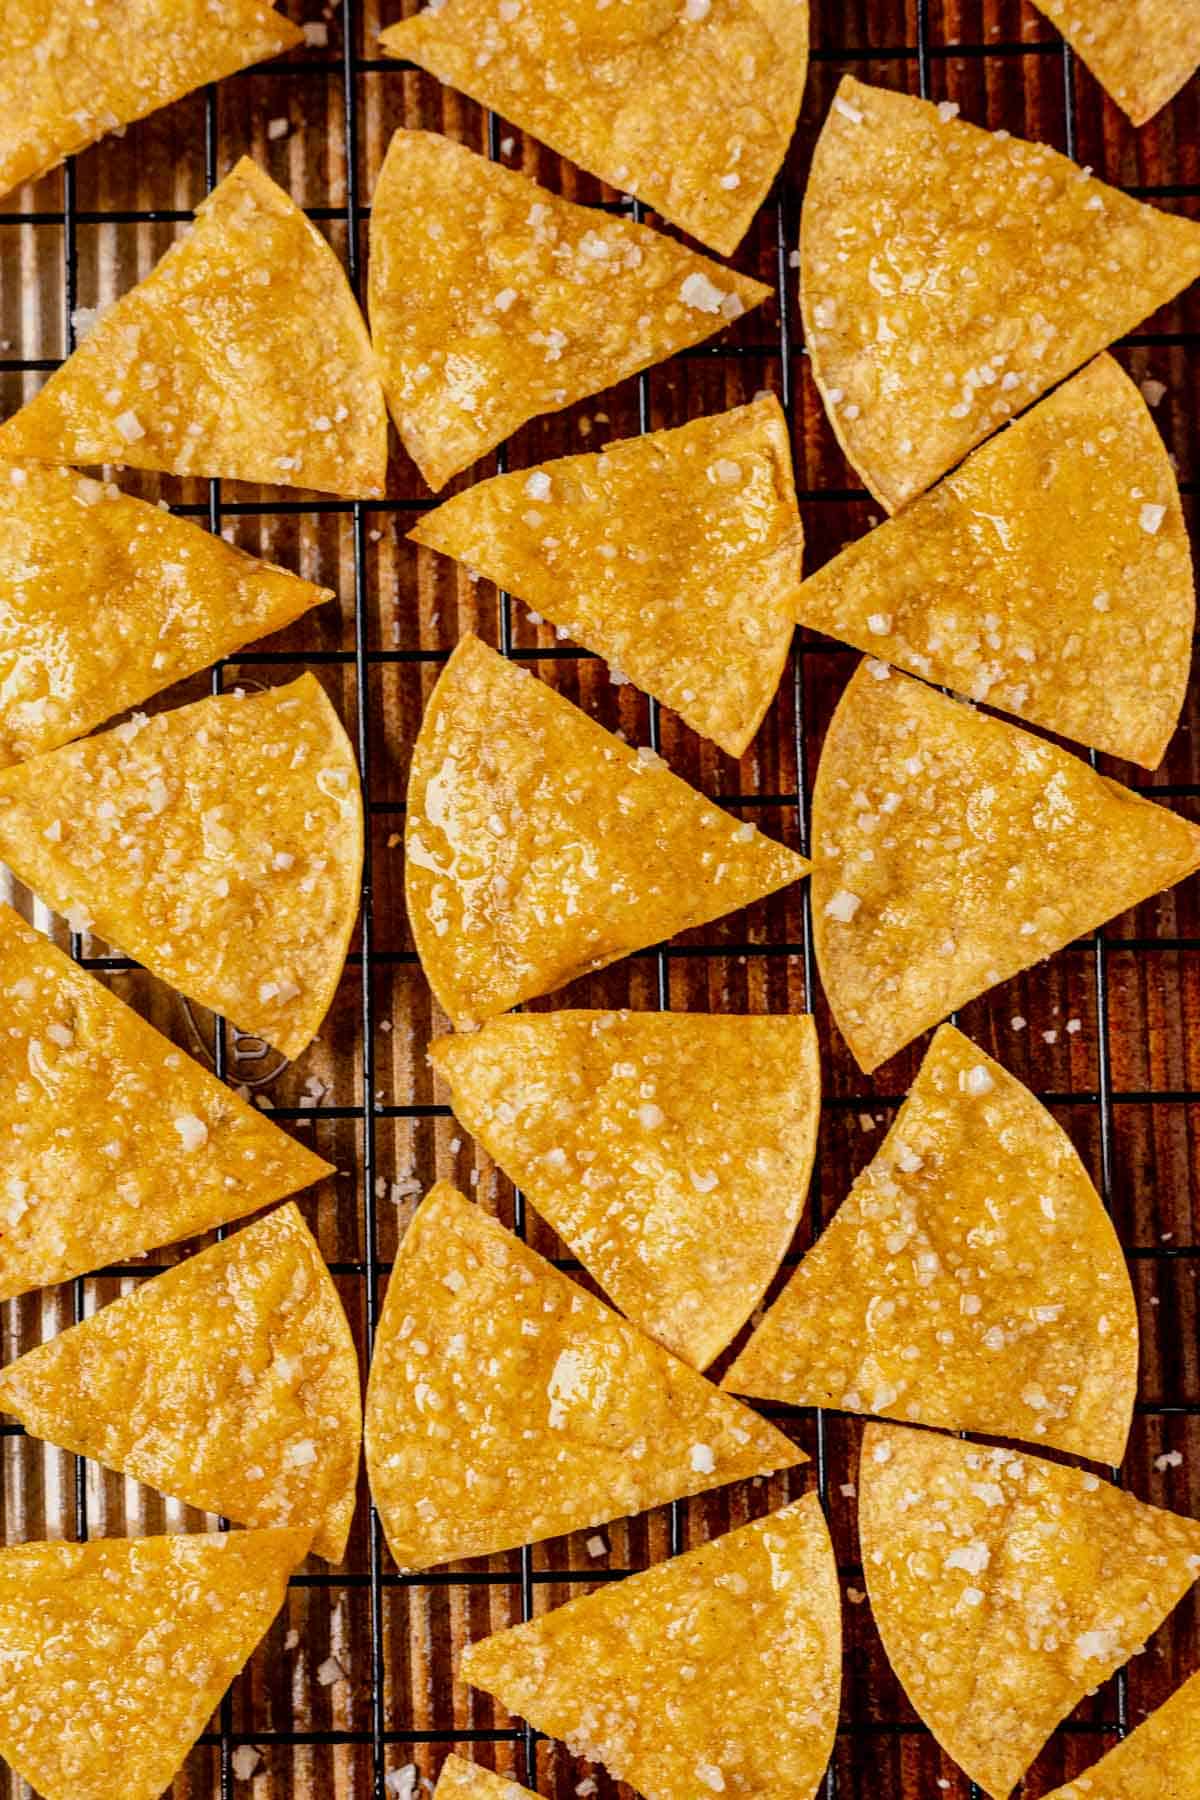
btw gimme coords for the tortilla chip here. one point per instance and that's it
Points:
(242, 354)
(115, 1141)
(1050, 575)
(540, 847)
(1158, 1761)
(493, 300)
(506, 1405)
(972, 1279)
(71, 71)
(105, 600)
(462, 1780)
(675, 556)
(951, 275)
(690, 108)
(219, 844)
(230, 1382)
(1142, 51)
(679, 1195)
(1006, 1588)
(716, 1672)
(114, 1654)
(953, 850)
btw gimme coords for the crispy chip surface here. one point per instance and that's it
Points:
(105, 600)
(680, 1194)
(540, 846)
(951, 275)
(691, 108)
(1142, 51)
(756, 1613)
(71, 70)
(115, 1141)
(1005, 1588)
(506, 1404)
(1050, 575)
(462, 1780)
(675, 556)
(115, 1653)
(241, 354)
(229, 1382)
(220, 845)
(972, 1279)
(493, 300)
(1158, 1761)
(953, 850)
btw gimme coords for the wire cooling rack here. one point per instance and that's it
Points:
(353, 1693)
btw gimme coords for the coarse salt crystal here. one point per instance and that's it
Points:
(596, 1547)
(316, 33)
(702, 1459)
(847, 111)
(947, 110)
(193, 1132)
(245, 1760)
(650, 1116)
(697, 291)
(879, 623)
(330, 1671)
(277, 128)
(131, 427)
(1151, 517)
(695, 10)
(1170, 1459)
(842, 906)
(976, 1080)
(537, 485)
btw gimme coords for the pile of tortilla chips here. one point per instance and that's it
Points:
(1160, 1760)
(1142, 51)
(462, 1780)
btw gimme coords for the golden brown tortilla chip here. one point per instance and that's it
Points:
(1142, 51)
(506, 1404)
(229, 1382)
(220, 845)
(716, 1672)
(493, 300)
(114, 1654)
(951, 275)
(953, 850)
(115, 1141)
(242, 354)
(1158, 1761)
(1006, 1588)
(105, 600)
(539, 846)
(690, 107)
(71, 70)
(1050, 575)
(679, 1193)
(462, 1780)
(675, 556)
(972, 1279)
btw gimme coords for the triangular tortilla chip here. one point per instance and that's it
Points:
(1158, 1761)
(1006, 1588)
(506, 1404)
(951, 275)
(114, 1654)
(539, 846)
(972, 1279)
(229, 1382)
(70, 71)
(493, 300)
(953, 850)
(114, 1140)
(680, 1195)
(1050, 575)
(242, 354)
(105, 600)
(675, 556)
(1142, 51)
(462, 1780)
(716, 1672)
(690, 107)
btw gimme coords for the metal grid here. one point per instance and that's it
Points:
(1134, 985)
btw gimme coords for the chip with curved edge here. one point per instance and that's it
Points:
(972, 1279)
(115, 1141)
(506, 1404)
(242, 354)
(114, 1654)
(229, 1382)
(1159, 1760)
(1141, 51)
(105, 600)
(72, 70)
(756, 1612)
(219, 844)
(954, 850)
(539, 846)
(679, 1196)
(493, 300)
(1005, 1588)
(950, 275)
(677, 557)
(1049, 575)
(462, 1780)
(691, 108)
